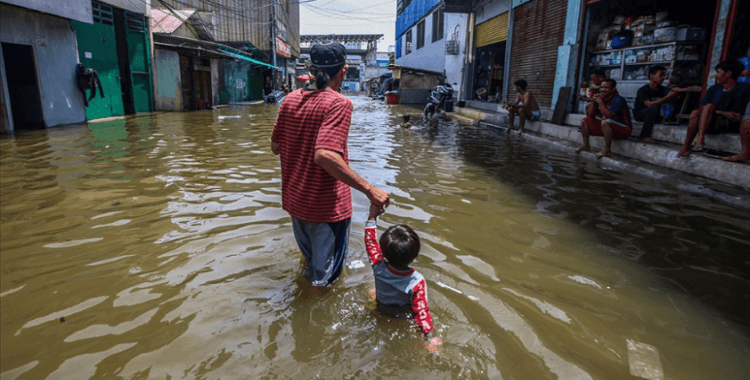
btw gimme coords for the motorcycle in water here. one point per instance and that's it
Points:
(442, 97)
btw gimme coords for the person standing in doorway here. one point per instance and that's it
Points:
(310, 136)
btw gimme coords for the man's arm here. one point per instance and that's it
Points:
(672, 93)
(275, 147)
(334, 164)
(603, 110)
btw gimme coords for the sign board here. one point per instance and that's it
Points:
(383, 63)
(283, 49)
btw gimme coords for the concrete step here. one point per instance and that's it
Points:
(675, 134)
(663, 154)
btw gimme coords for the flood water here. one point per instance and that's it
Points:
(162, 243)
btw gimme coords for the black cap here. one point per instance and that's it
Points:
(326, 54)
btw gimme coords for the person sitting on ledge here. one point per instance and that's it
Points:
(616, 124)
(525, 107)
(744, 139)
(649, 99)
(720, 110)
(597, 77)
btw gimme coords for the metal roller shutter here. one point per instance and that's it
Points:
(493, 30)
(538, 30)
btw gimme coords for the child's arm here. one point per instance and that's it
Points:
(421, 310)
(371, 237)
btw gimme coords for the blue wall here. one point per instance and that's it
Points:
(415, 11)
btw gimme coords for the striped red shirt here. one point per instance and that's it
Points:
(308, 121)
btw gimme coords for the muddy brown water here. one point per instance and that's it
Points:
(162, 242)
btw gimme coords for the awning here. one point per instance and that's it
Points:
(257, 62)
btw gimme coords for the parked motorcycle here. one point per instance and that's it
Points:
(442, 97)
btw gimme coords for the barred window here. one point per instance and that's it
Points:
(408, 42)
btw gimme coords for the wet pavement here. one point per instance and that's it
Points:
(161, 242)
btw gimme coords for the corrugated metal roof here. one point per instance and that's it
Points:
(165, 21)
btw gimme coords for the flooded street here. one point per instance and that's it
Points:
(162, 243)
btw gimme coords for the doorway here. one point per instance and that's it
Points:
(23, 88)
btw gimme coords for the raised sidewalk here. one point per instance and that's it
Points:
(726, 181)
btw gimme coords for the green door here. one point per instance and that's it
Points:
(97, 48)
(140, 65)
(255, 84)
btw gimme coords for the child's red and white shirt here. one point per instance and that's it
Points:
(399, 292)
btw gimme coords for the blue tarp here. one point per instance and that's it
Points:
(415, 11)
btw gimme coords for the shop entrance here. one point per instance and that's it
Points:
(488, 80)
(23, 88)
(625, 39)
(491, 37)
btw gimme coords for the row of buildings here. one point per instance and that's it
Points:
(149, 55)
(481, 47)
(170, 55)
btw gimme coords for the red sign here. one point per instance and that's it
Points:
(282, 48)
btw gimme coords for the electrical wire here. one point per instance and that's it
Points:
(322, 12)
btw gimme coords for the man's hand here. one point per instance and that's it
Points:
(733, 116)
(378, 197)
(333, 163)
(275, 147)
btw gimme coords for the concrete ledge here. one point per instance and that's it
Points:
(661, 154)
(734, 196)
(675, 134)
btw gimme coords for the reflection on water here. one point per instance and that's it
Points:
(162, 243)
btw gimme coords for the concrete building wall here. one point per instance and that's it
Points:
(6, 114)
(455, 28)
(55, 57)
(79, 10)
(137, 6)
(215, 82)
(491, 8)
(167, 93)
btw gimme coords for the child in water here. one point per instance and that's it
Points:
(406, 123)
(400, 291)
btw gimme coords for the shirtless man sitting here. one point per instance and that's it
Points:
(525, 106)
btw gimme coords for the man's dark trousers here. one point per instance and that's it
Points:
(649, 116)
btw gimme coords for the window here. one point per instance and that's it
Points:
(420, 35)
(401, 6)
(437, 25)
(408, 42)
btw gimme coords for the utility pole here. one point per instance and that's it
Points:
(273, 42)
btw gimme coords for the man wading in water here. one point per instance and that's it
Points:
(310, 136)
